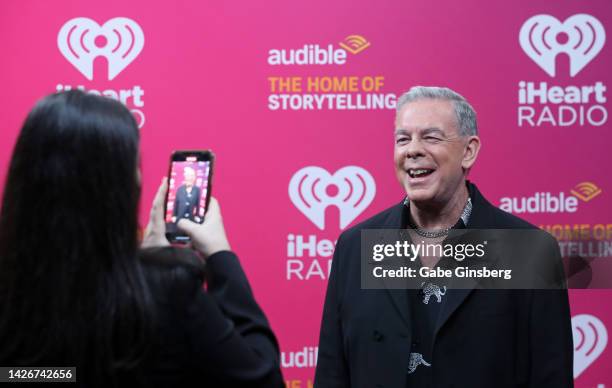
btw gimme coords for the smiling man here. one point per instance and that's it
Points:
(187, 197)
(438, 336)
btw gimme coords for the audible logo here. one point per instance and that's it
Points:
(310, 54)
(313, 54)
(355, 44)
(326, 91)
(545, 202)
(586, 191)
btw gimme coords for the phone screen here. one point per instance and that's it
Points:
(188, 191)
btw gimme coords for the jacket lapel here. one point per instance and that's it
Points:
(399, 296)
(479, 219)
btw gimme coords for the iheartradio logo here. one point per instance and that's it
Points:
(580, 36)
(590, 340)
(119, 40)
(308, 190)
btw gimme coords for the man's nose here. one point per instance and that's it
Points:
(414, 149)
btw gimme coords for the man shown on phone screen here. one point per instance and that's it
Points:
(187, 197)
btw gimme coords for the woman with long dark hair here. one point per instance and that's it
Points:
(77, 290)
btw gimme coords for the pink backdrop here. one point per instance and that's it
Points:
(206, 75)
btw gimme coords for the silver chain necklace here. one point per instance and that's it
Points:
(465, 216)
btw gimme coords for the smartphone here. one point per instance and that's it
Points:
(189, 185)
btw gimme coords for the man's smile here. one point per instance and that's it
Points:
(419, 172)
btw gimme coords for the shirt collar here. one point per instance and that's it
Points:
(464, 219)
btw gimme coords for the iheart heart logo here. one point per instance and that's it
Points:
(590, 340)
(581, 37)
(119, 40)
(308, 190)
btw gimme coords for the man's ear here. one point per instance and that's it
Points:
(471, 152)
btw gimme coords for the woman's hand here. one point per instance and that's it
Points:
(155, 234)
(209, 237)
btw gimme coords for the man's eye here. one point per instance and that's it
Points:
(401, 140)
(432, 139)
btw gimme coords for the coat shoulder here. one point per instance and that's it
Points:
(387, 219)
(505, 220)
